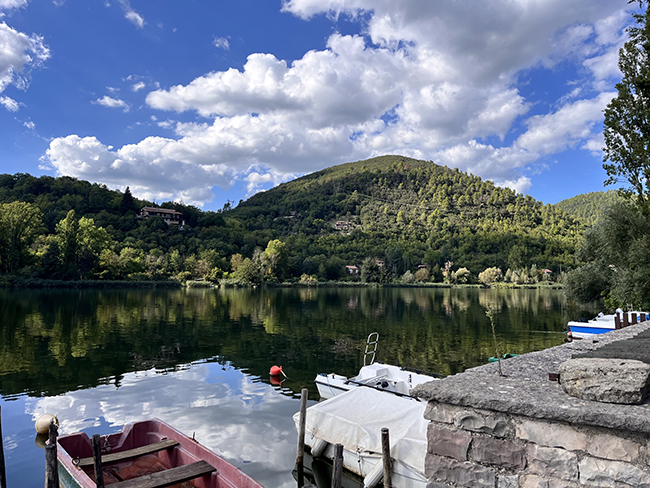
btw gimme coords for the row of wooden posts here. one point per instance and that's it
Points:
(337, 471)
(620, 324)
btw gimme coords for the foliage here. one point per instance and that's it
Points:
(627, 117)
(589, 206)
(615, 252)
(403, 212)
(491, 275)
(20, 223)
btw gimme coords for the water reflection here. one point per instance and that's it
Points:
(200, 358)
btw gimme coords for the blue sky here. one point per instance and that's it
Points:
(207, 102)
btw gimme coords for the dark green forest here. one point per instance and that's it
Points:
(590, 207)
(393, 218)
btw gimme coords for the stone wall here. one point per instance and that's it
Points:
(523, 430)
(483, 448)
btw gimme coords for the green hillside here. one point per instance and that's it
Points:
(590, 206)
(404, 213)
(421, 211)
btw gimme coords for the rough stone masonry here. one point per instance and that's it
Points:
(523, 430)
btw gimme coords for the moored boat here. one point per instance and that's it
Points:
(603, 323)
(383, 377)
(355, 420)
(148, 453)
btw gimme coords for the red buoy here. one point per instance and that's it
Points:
(276, 370)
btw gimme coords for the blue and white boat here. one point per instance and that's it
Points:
(603, 323)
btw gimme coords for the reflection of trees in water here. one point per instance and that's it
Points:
(54, 341)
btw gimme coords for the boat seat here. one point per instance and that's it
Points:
(168, 477)
(131, 453)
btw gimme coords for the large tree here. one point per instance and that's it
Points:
(627, 117)
(20, 223)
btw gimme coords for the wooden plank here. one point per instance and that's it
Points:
(169, 476)
(131, 453)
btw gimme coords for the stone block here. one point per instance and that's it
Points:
(450, 443)
(511, 481)
(438, 468)
(534, 481)
(602, 472)
(551, 462)
(612, 447)
(502, 453)
(623, 381)
(497, 425)
(439, 412)
(551, 434)
(437, 485)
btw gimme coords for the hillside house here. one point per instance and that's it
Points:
(353, 270)
(342, 225)
(168, 215)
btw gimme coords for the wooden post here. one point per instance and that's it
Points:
(337, 471)
(633, 319)
(385, 456)
(301, 437)
(97, 459)
(625, 319)
(51, 461)
(617, 321)
(3, 474)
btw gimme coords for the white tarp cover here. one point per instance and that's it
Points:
(355, 419)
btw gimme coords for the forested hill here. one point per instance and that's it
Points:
(589, 206)
(419, 210)
(406, 213)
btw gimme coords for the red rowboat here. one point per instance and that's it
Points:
(147, 454)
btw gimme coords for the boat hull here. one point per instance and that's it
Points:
(382, 377)
(138, 434)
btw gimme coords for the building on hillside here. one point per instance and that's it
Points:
(168, 215)
(353, 270)
(342, 225)
(379, 263)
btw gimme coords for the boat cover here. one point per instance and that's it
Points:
(355, 419)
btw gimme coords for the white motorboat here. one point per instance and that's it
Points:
(603, 323)
(383, 377)
(355, 419)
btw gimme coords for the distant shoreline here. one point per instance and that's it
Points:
(38, 283)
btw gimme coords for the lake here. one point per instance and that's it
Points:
(199, 359)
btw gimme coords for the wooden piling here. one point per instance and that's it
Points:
(617, 321)
(632, 319)
(97, 461)
(625, 320)
(51, 461)
(337, 471)
(301, 437)
(3, 474)
(385, 456)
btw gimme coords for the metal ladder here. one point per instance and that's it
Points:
(371, 348)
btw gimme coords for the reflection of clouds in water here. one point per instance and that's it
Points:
(244, 420)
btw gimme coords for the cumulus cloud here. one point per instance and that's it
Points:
(8, 4)
(107, 101)
(19, 53)
(436, 81)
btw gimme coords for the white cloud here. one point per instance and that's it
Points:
(437, 82)
(10, 104)
(221, 43)
(29, 124)
(7, 4)
(107, 101)
(131, 15)
(19, 53)
(138, 86)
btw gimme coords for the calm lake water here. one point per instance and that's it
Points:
(200, 359)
